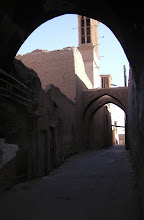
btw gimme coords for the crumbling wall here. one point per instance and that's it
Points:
(53, 67)
(65, 69)
(29, 128)
(18, 127)
(59, 67)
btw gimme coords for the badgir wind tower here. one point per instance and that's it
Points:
(88, 47)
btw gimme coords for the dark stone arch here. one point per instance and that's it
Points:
(23, 17)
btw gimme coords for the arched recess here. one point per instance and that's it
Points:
(99, 101)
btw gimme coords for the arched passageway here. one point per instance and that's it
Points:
(97, 97)
(98, 121)
(103, 101)
(94, 101)
(19, 19)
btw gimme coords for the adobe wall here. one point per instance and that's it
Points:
(136, 133)
(54, 67)
(99, 129)
(18, 128)
(59, 68)
(24, 126)
(18, 20)
(65, 121)
(87, 55)
(65, 69)
(82, 83)
(120, 94)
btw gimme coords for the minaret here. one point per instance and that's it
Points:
(88, 47)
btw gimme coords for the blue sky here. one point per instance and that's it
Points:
(62, 32)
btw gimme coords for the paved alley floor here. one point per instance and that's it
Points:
(93, 185)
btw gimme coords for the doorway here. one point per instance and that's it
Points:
(52, 147)
(43, 151)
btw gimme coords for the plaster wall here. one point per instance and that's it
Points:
(80, 69)
(89, 71)
(96, 76)
(96, 66)
(87, 55)
(90, 59)
(86, 51)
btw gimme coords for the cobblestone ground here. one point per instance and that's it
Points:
(93, 185)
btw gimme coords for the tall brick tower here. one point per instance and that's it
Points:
(88, 47)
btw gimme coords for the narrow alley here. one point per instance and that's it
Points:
(93, 185)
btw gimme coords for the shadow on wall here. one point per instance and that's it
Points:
(44, 131)
(100, 131)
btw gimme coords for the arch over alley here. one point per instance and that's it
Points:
(19, 19)
(101, 102)
(93, 99)
(96, 119)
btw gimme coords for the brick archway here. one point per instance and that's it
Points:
(93, 99)
(102, 101)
